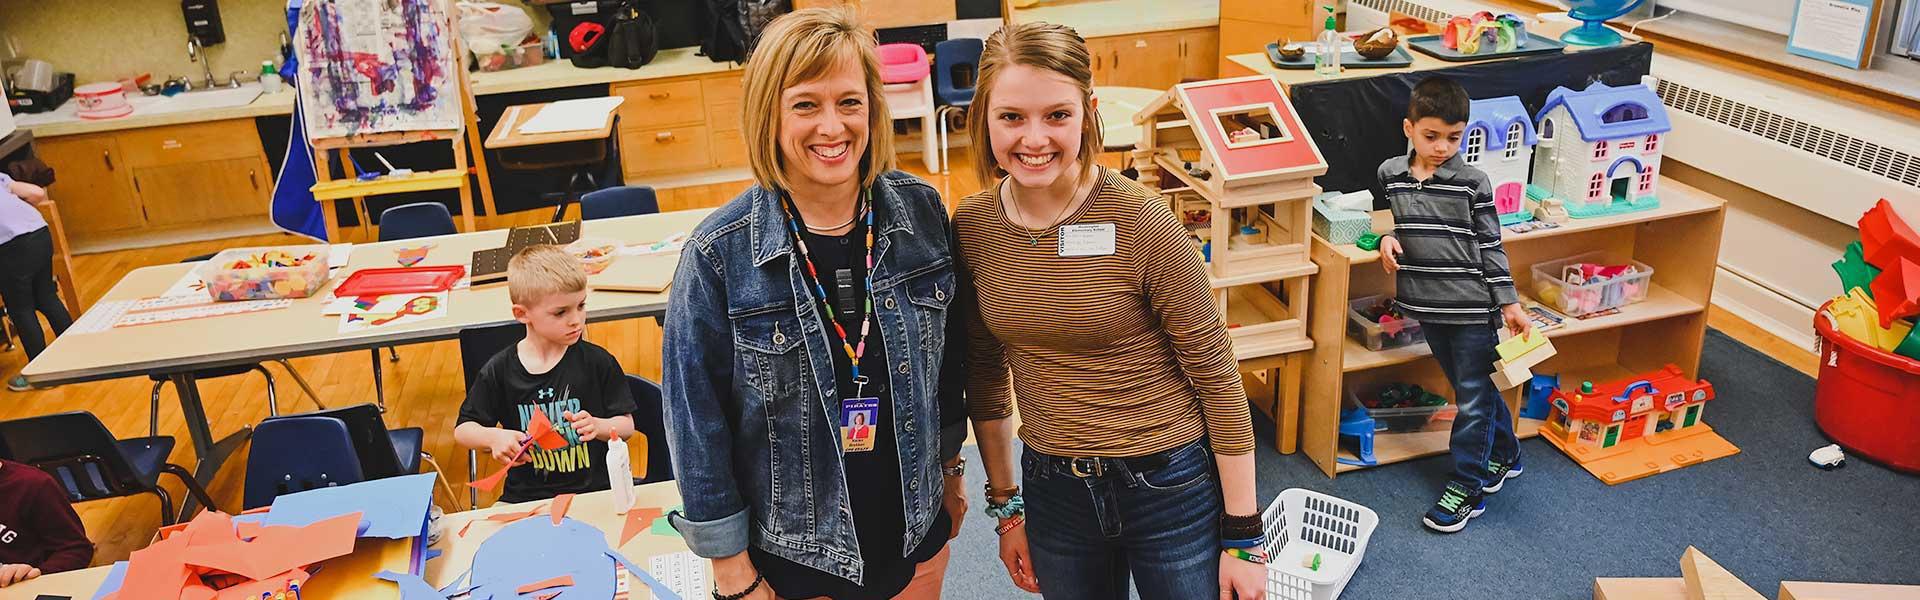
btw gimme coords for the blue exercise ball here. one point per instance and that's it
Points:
(1593, 15)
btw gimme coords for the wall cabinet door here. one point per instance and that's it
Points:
(197, 192)
(1101, 49)
(93, 183)
(1199, 54)
(1146, 61)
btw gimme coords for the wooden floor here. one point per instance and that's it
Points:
(423, 390)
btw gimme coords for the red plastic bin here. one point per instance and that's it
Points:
(1867, 400)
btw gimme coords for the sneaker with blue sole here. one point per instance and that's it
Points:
(1500, 472)
(1457, 504)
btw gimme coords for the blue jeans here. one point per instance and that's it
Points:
(1483, 427)
(1155, 518)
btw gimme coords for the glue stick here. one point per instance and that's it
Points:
(620, 475)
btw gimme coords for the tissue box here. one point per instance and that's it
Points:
(1340, 225)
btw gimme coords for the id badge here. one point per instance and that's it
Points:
(1086, 240)
(857, 417)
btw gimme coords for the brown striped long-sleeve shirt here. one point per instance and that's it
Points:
(1112, 356)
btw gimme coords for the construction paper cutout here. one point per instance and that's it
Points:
(209, 525)
(276, 550)
(490, 482)
(194, 591)
(412, 587)
(459, 584)
(253, 590)
(392, 508)
(548, 596)
(662, 526)
(660, 590)
(159, 569)
(527, 551)
(433, 554)
(540, 431)
(419, 550)
(550, 582)
(637, 520)
(115, 577)
(559, 507)
(509, 517)
(464, 528)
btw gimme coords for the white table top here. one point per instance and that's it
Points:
(1117, 106)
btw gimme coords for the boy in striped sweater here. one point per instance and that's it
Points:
(1452, 276)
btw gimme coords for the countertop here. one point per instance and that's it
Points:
(673, 62)
(1102, 18)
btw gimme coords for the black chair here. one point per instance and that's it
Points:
(160, 380)
(382, 452)
(296, 454)
(626, 200)
(91, 464)
(649, 419)
(477, 345)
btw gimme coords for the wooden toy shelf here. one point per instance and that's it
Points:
(1680, 240)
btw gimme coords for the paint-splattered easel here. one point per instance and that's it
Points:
(328, 190)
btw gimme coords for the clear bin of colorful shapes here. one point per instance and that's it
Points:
(1373, 322)
(1583, 284)
(265, 273)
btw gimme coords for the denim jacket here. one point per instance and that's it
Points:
(749, 388)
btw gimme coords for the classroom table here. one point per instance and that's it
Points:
(180, 348)
(457, 551)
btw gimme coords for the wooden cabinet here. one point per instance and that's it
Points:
(1249, 25)
(171, 176)
(1154, 60)
(93, 184)
(677, 126)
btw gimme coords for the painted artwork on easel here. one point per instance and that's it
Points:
(377, 66)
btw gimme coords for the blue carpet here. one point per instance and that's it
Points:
(1765, 514)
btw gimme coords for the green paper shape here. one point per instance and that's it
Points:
(662, 527)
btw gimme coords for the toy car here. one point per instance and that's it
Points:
(1828, 457)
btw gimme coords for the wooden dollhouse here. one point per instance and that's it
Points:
(1599, 150)
(1631, 428)
(1499, 140)
(1246, 200)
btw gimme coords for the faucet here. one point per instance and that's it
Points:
(197, 52)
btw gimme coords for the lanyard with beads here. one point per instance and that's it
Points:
(854, 350)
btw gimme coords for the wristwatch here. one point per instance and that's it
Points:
(959, 469)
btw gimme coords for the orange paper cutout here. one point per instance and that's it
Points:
(159, 569)
(548, 596)
(276, 550)
(510, 517)
(637, 521)
(540, 432)
(491, 481)
(559, 508)
(463, 528)
(547, 583)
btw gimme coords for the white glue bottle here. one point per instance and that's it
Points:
(620, 475)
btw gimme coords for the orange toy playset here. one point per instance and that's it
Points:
(1631, 428)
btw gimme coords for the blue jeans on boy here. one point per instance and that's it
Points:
(1089, 527)
(1483, 427)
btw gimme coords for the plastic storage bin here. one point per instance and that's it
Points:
(1579, 300)
(1410, 418)
(1377, 336)
(1301, 524)
(1866, 399)
(301, 271)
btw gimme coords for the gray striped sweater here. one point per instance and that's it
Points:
(1452, 267)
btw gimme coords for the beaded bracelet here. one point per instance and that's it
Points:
(1252, 557)
(1253, 542)
(757, 578)
(1009, 524)
(1006, 510)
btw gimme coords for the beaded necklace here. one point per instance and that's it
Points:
(854, 350)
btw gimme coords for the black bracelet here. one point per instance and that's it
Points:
(757, 578)
(1241, 526)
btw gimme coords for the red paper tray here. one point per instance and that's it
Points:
(400, 280)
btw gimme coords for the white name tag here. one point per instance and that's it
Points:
(1086, 240)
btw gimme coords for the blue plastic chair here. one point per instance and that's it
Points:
(81, 454)
(649, 419)
(416, 220)
(956, 64)
(296, 454)
(620, 201)
(382, 452)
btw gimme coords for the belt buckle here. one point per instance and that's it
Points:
(1099, 467)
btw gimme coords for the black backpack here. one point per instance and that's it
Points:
(632, 39)
(726, 37)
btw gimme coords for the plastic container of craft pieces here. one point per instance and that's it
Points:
(595, 254)
(237, 274)
(1315, 542)
(1579, 300)
(1381, 336)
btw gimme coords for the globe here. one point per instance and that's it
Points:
(1593, 15)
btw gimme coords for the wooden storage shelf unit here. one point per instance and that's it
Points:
(1680, 240)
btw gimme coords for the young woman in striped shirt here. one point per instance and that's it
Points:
(1095, 312)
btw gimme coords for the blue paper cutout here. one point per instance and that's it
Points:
(393, 508)
(115, 578)
(433, 554)
(532, 550)
(412, 587)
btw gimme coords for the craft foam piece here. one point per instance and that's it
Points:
(1707, 580)
(559, 508)
(412, 587)
(551, 582)
(115, 577)
(638, 519)
(393, 508)
(1812, 590)
(1896, 292)
(1639, 588)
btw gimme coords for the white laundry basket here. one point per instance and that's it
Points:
(1301, 523)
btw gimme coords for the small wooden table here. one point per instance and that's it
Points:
(181, 348)
(578, 150)
(594, 509)
(1117, 105)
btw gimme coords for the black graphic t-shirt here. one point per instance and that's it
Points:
(505, 395)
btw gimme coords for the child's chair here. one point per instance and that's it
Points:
(957, 69)
(909, 92)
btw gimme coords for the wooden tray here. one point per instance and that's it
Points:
(1348, 59)
(1536, 44)
(399, 280)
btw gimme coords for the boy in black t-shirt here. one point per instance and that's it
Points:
(579, 386)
